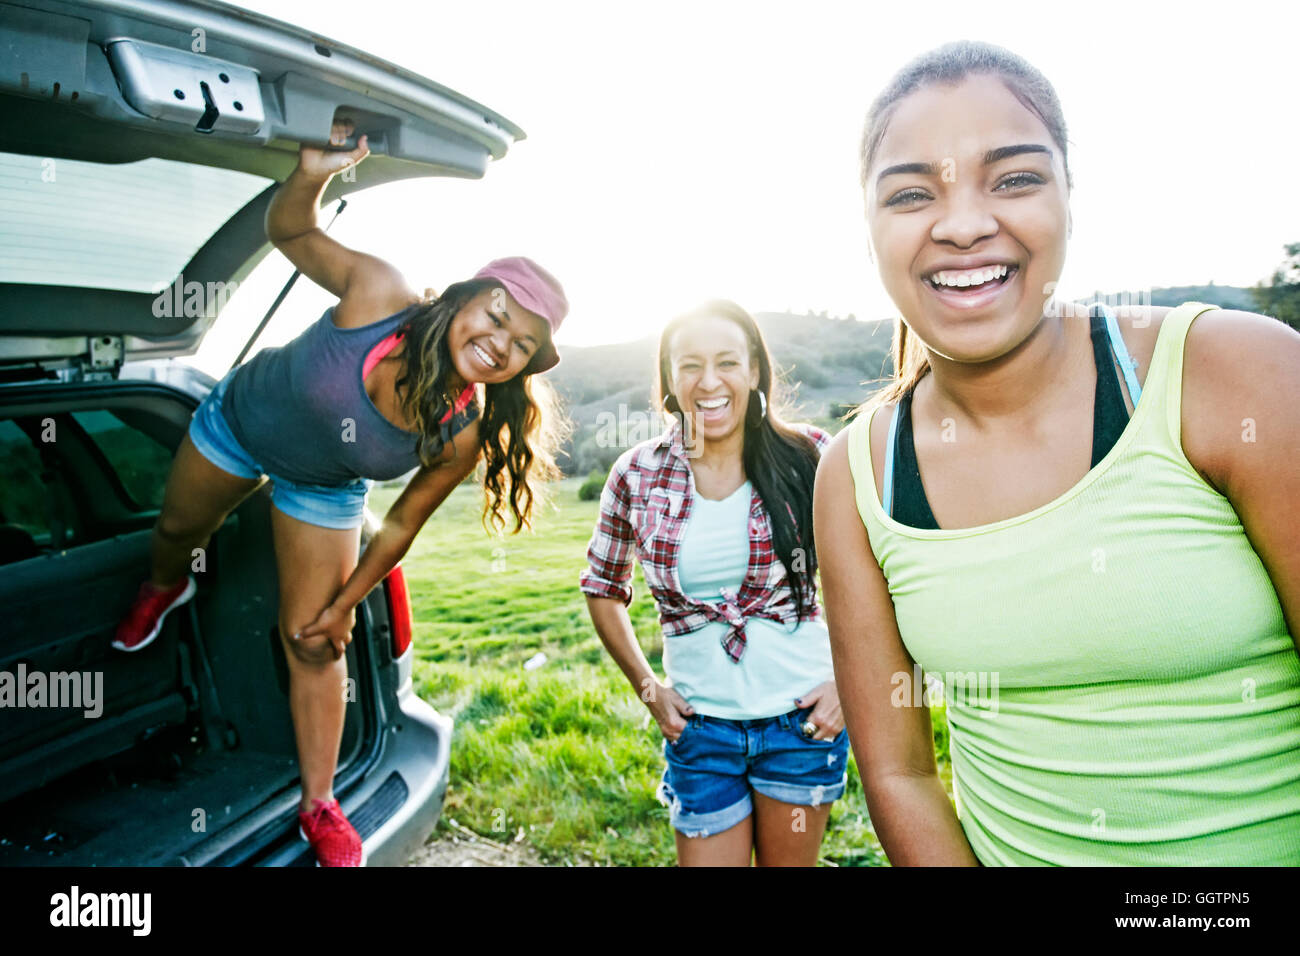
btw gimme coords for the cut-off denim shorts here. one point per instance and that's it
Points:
(715, 763)
(328, 506)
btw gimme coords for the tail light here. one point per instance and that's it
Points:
(399, 610)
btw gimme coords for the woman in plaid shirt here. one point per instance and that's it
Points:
(718, 510)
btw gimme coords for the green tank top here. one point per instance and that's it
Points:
(1120, 685)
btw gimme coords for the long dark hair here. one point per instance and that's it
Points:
(780, 460)
(949, 65)
(521, 425)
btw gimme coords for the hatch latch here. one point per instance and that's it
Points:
(178, 86)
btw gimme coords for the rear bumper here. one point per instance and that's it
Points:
(396, 805)
(425, 739)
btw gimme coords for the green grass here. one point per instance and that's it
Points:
(566, 753)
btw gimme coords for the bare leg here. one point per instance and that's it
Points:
(788, 834)
(731, 847)
(314, 563)
(196, 501)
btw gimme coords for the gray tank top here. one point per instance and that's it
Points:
(301, 409)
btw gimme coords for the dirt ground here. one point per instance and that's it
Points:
(463, 847)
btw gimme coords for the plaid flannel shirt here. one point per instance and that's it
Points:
(644, 508)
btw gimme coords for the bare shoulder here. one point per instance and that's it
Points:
(834, 473)
(834, 460)
(1240, 371)
(376, 289)
(1247, 335)
(1216, 333)
(834, 493)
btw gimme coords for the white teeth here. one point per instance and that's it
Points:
(713, 403)
(484, 356)
(968, 277)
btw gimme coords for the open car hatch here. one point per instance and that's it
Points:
(142, 142)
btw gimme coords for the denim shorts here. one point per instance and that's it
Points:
(715, 763)
(328, 506)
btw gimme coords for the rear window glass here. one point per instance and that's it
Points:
(127, 226)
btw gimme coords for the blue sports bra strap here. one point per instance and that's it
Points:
(1126, 363)
(888, 503)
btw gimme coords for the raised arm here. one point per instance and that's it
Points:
(893, 746)
(368, 288)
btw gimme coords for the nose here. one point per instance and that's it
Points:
(964, 218)
(709, 378)
(501, 345)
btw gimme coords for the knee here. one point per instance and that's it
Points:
(178, 528)
(316, 653)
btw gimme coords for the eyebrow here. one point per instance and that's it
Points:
(716, 354)
(527, 335)
(991, 157)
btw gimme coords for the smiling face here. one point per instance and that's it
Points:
(493, 337)
(968, 211)
(712, 375)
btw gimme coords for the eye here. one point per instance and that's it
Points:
(1020, 180)
(522, 347)
(728, 363)
(495, 320)
(906, 197)
(688, 367)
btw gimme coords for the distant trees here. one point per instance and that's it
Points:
(593, 486)
(1280, 296)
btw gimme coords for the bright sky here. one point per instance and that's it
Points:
(691, 150)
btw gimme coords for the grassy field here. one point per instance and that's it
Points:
(564, 756)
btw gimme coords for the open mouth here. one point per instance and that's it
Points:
(712, 409)
(970, 287)
(484, 357)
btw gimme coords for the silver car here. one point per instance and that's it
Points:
(141, 144)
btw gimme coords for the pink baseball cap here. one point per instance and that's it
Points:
(537, 291)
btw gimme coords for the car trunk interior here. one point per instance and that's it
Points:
(193, 743)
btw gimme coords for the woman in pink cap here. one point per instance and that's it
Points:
(384, 383)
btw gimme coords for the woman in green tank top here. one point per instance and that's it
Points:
(1116, 641)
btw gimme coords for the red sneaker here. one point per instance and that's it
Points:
(332, 838)
(144, 621)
